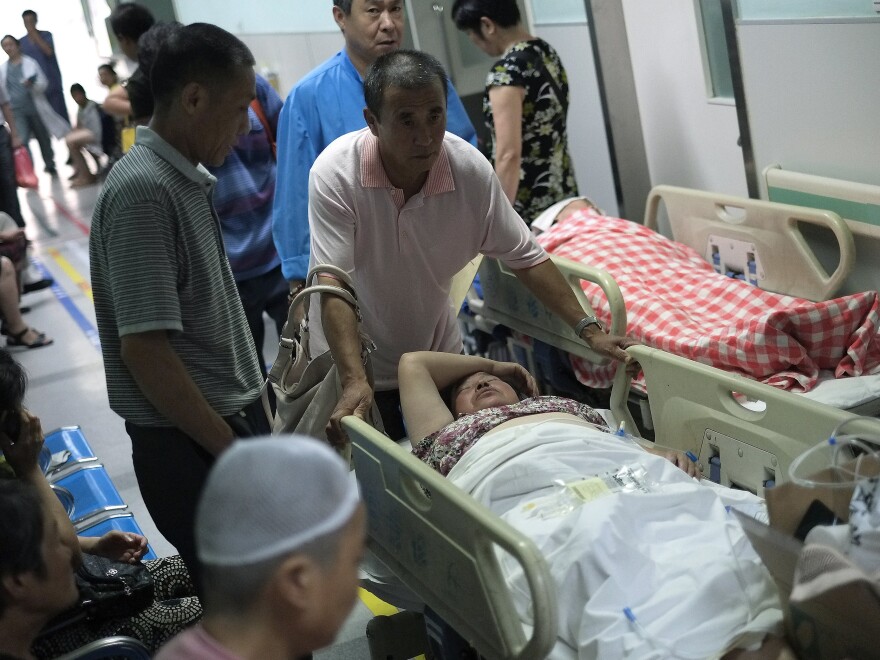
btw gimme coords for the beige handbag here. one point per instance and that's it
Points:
(306, 388)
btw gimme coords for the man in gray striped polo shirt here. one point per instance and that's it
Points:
(180, 365)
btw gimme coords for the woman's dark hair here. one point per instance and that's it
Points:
(9, 36)
(13, 382)
(199, 52)
(21, 533)
(131, 20)
(466, 14)
(406, 69)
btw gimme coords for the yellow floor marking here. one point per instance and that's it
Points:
(71, 272)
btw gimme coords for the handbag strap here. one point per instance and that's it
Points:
(335, 271)
(288, 343)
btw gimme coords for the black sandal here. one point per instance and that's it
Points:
(16, 339)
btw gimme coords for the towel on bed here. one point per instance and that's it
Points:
(675, 301)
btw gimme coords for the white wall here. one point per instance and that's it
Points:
(587, 140)
(689, 140)
(291, 56)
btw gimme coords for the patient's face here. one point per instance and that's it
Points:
(480, 391)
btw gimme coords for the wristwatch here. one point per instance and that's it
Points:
(584, 322)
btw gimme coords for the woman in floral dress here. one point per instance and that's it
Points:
(525, 106)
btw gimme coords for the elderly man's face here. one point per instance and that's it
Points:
(410, 130)
(373, 27)
(225, 118)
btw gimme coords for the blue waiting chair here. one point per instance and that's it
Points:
(71, 439)
(93, 494)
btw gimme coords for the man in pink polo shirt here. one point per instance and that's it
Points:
(402, 206)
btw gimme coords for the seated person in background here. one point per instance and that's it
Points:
(280, 535)
(86, 136)
(36, 568)
(637, 547)
(13, 326)
(108, 77)
(26, 603)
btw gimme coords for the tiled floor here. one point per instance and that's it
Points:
(66, 379)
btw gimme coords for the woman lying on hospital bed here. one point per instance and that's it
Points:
(648, 562)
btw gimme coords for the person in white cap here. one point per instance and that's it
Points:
(280, 532)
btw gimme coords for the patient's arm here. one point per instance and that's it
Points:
(677, 458)
(424, 374)
(341, 330)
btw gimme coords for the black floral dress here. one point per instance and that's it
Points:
(546, 173)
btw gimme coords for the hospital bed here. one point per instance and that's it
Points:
(441, 544)
(753, 240)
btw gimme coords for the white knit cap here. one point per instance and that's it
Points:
(266, 497)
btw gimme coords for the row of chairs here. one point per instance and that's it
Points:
(82, 484)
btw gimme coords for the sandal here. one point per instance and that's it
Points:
(17, 339)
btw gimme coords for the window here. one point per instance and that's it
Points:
(711, 26)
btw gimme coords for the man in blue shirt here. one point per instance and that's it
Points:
(327, 103)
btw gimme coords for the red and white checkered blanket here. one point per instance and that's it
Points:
(677, 302)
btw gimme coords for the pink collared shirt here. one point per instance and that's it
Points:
(195, 644)
(402, 255)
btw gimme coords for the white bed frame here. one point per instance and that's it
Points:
(768, 230)
(439, 542)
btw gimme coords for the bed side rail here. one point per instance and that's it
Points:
(751, 231)
(507, 301)
(695, 409)
(442, 544)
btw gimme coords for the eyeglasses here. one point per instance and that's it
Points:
(475, 385)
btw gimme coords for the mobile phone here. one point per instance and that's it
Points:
(11, 424)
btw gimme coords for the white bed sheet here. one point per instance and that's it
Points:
(846, 392)
(676, 557)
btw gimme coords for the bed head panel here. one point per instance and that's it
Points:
(442, 546)
(507, 301)
(767, 229)
(693, 409)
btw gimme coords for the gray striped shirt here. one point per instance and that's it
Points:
(158, 263)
